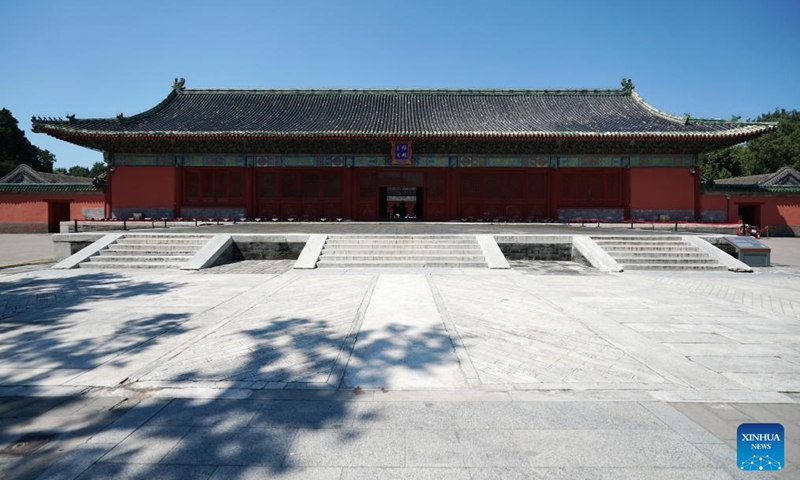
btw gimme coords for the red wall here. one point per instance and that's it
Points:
(143, 187)
(29, 212)
(662, 188)
(774, 210)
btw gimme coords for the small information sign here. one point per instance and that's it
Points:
(750, 251)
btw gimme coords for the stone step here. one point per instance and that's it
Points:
(398, 258)
(665, 261)
(400, 264)
(161, 241)
(657, 254)
(669, 266)
(660, 238)
(126, 265)
(168, 235)
(629, 248)
(401, 237)
(358, 241)
(153, 248)
(402, 251)
(145, 253)
(138, 259)
(638, 242)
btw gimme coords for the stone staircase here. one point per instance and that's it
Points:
(413, 251)
(660, 252)
(148, 250)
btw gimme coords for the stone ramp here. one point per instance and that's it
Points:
(148, 250)
(660, 252)
(403, 251)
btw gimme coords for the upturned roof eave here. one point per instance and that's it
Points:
(745, 132)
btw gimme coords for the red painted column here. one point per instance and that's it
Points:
(452, 189)
(626, 192)
(109, 175)
(555, 191)
(179, 186)
(249, 191)
(349, 192)
(697, 205)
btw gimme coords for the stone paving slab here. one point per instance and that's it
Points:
(353, 438)
(403, 342)
(647, 375)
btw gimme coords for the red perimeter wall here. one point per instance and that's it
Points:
(31, 212)
(774, 210)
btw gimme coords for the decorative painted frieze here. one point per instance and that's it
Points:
(213, 161)
(298, 161)
(677, 161)
(423, 161)
(486, 161)
(143, 160)
(590, 161)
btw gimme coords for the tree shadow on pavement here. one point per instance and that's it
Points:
(274, 432)
(51, 333)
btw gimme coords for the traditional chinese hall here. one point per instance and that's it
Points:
(433, 155)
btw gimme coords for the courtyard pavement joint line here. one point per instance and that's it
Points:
(467, 368)
(249, 298)
(403, 343)
(336, 377)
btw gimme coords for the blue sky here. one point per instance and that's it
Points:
(709, 58)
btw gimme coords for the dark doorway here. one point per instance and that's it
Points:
(57, 212)
(750, 214)
(401, 203)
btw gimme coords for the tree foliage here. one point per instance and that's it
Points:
(97, 169)
(765, 154)
(78, 171)
(16, 149)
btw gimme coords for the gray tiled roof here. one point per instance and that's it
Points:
(590, 114)
(786, 176)
(26, 174)
(48, 188)
(746, 180)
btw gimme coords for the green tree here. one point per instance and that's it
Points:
(97, 169)
(726, 163)
(782, 148)
(765, 154)
(78, 171)
(16, 149)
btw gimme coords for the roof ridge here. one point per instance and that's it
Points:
(24, 168)
(422, 91)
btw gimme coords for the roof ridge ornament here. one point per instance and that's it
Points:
(627, 85)
(178, 85)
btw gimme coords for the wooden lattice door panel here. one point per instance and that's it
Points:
(367, 195)
(590, 188)
(435, 196)
(214, 187)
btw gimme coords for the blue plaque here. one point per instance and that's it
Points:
(401, 153)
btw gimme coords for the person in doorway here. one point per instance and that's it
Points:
(395, 211)
(402, 210)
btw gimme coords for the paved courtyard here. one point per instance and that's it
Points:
(254, 370)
